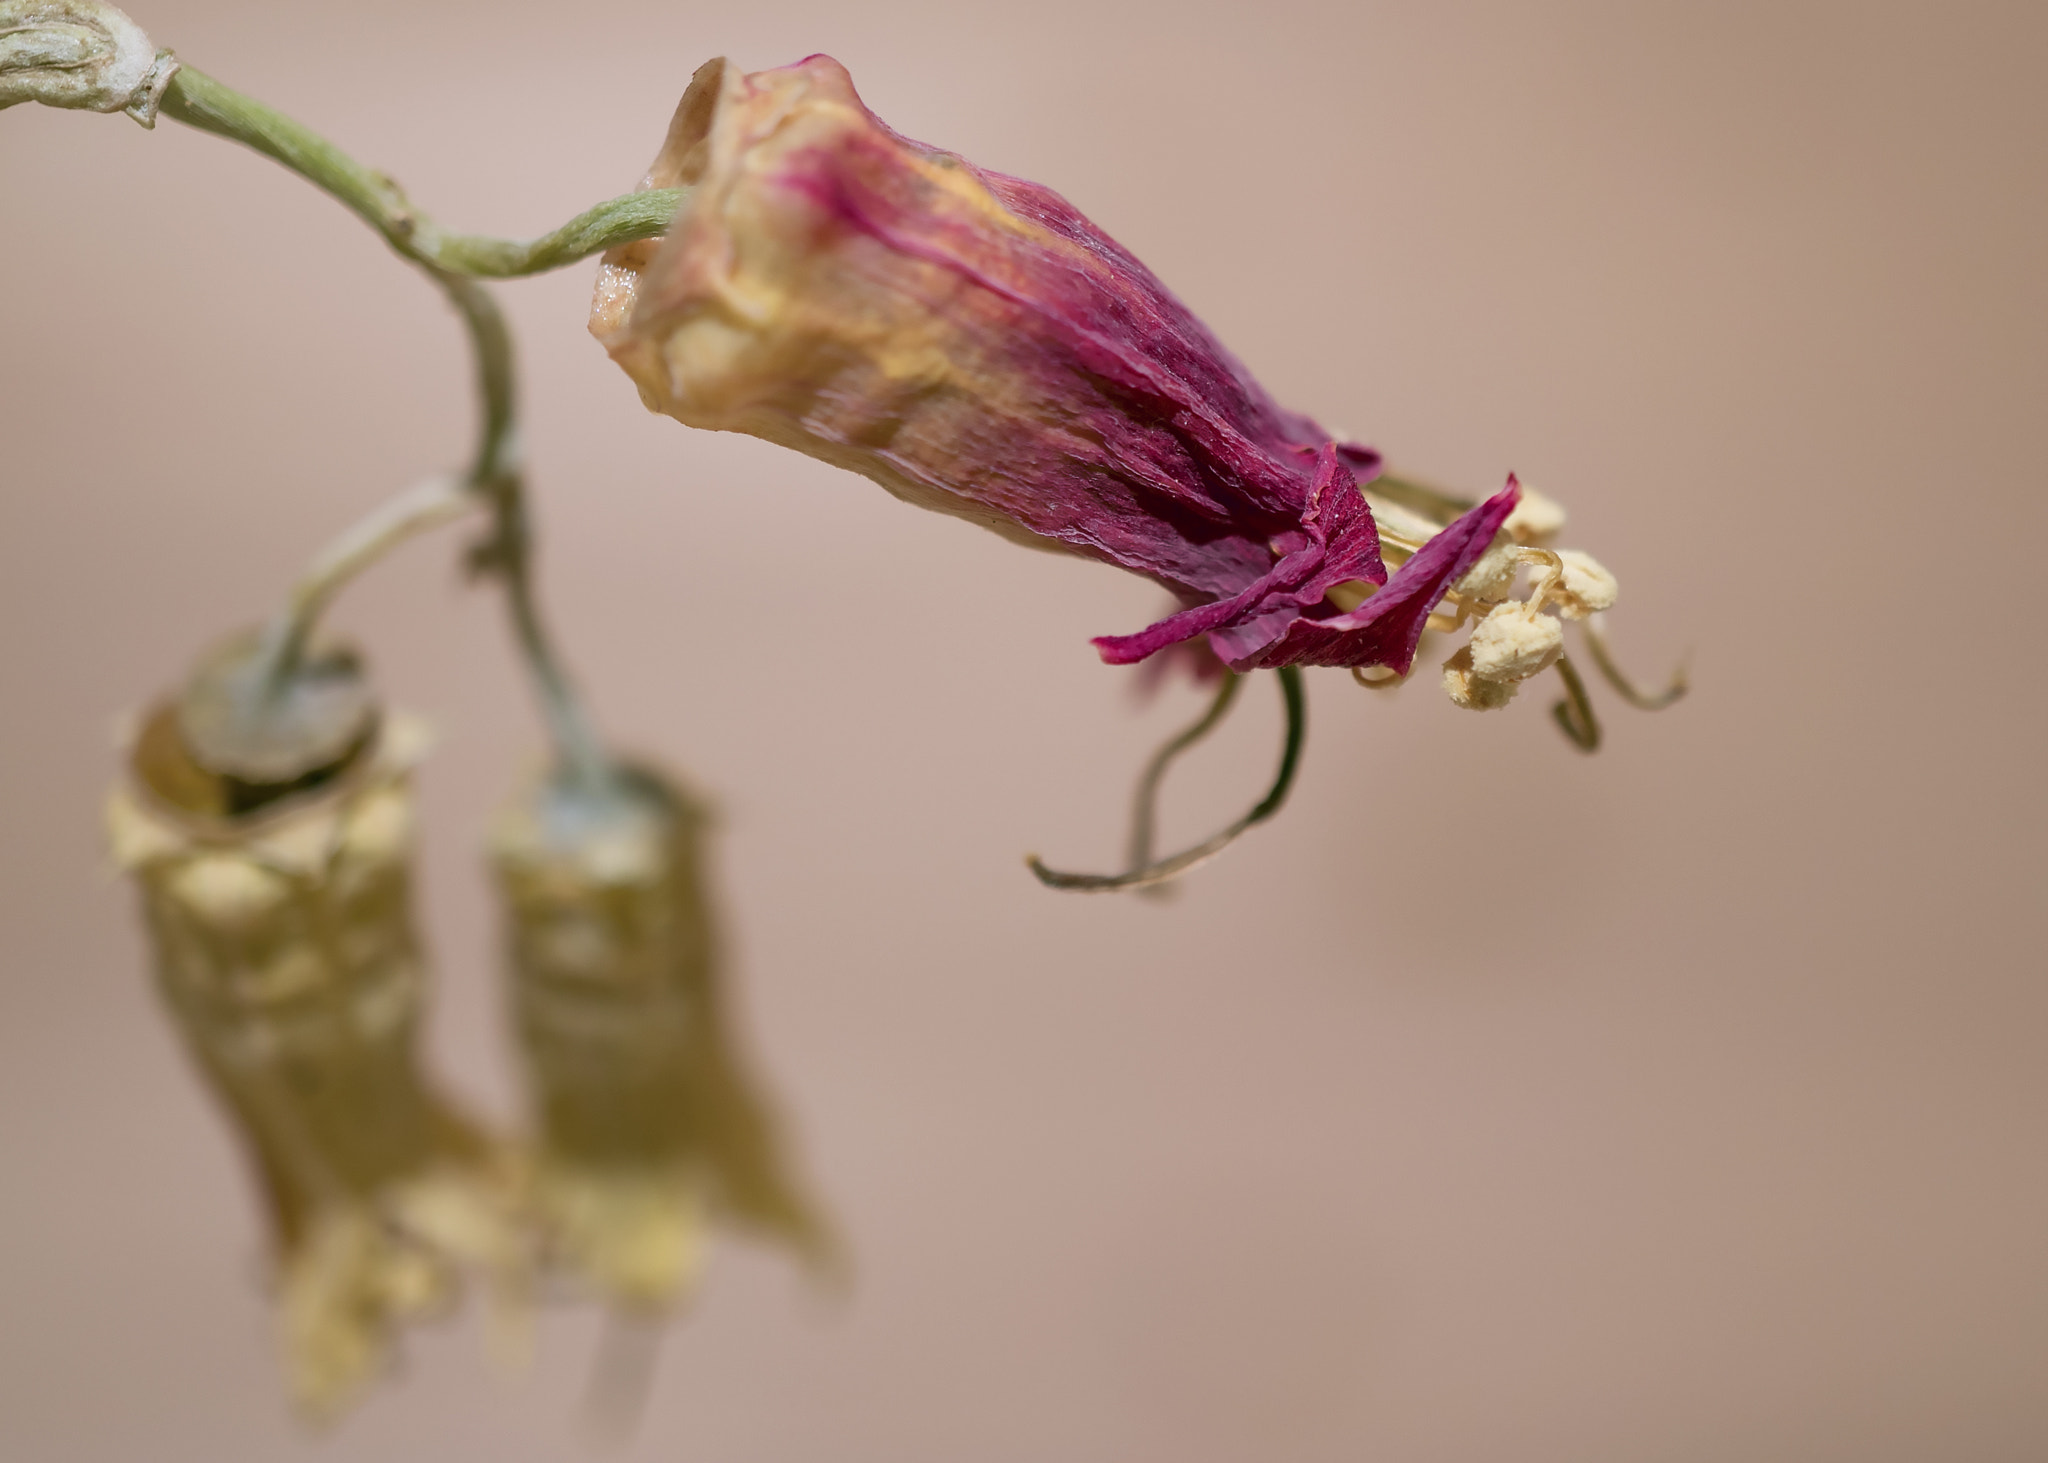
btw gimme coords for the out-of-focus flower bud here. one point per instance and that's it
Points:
(285, 949)
(1536, 519)
(261, 728)
(81, 54)
(972, 343)
(649, 1127)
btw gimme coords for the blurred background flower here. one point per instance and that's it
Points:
(284, 948)
(649, 1128)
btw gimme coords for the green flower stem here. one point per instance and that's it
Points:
(197, 100)
(417, 510)
(508, 552)
(454, 261)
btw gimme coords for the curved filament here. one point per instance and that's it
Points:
(1575, 713)
(1169, 868)
(1145, 805)
(1596, 641)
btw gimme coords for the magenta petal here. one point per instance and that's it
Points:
(1339, 544)
(1386, 628)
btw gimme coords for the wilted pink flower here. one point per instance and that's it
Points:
(973, 344)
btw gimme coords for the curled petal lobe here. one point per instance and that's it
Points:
(1387, 627)
(1342, 546)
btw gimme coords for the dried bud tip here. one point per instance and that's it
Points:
(80, 54)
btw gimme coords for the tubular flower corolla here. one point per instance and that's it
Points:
(972, 343)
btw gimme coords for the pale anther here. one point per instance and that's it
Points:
(1585, 588)
(1536, 518)
(1468, 690)
(1515, 641)
(1494, 574)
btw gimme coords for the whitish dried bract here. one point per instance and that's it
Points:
(80, 54)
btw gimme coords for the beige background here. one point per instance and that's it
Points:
(1684, 1103)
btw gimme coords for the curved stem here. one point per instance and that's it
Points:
(425, 506)
(490, 339)
(449, 259)
(508, 552)
(196, 99)
(1201, 853)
